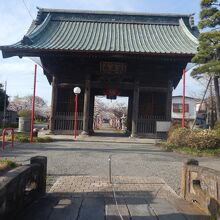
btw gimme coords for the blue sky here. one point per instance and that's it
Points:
(15, 20)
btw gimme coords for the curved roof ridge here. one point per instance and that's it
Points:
(50, 10)
(41, 27)
(187, 32)
(35, 30)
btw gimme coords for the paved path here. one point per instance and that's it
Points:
(91, 158)
(94, 198)
(145, 177)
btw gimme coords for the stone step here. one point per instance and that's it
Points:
(99, 208)
(94, 198)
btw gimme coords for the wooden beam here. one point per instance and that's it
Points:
(152, 89)
(102, 85)
(70, 85)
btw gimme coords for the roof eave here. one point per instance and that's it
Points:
(10, 52)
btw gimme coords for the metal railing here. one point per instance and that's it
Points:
(3, 137)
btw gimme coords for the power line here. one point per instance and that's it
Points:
(28, 10)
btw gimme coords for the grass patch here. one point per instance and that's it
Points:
(193, 151)
(6, 164)
(25, 138)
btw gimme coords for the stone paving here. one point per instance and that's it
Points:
(102, 135)
(128, 198)
(101, 186)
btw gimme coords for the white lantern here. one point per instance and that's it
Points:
(76, 90)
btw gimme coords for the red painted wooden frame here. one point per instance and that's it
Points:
(12, 137)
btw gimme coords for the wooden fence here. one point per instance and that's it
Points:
(64, 122)
(11, 117)
(147, 124)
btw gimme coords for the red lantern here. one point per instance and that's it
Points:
(111, 93)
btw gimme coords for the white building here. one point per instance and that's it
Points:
(190, 108)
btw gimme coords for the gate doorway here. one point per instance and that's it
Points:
(110, 118)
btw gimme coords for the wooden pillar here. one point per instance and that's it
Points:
(86, 108)
(169, 100)
(129, 120)
(91, 115)
(53, 104)
(135, 110)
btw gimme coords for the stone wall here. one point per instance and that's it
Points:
(201, 186)
(21, 186)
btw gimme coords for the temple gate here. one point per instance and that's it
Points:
(136, 55)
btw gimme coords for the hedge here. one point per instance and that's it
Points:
(198, 138)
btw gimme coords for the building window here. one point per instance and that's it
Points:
(177, 108)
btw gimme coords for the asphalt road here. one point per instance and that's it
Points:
(91, 158)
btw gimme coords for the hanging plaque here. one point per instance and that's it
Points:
(113, 68)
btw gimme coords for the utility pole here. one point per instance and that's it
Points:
(4, 114)
(33, 104)
(183, 98)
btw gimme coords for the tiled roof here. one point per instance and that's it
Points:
(87, 31)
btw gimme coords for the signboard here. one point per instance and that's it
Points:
(163, 126)
(113, 68)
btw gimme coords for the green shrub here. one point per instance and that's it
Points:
(24, 113)
(203, 139)
(198, 139)
(217, 128)
(22, 139)
(173, 127)
(179, 136)
(25, 138)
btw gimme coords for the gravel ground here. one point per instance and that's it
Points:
(91, 158)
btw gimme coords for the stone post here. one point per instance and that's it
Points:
(86, 108)
(184, 179)
(53, 104)
(42, 161)
(135, 110)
